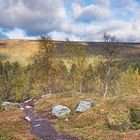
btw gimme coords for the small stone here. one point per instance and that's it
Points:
(66, 120)
(44, 96)
(28, 101)
(27, 118)
(28, 107)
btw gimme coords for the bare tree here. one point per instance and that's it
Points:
(111, 54)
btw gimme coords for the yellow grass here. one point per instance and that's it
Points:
(21, 51)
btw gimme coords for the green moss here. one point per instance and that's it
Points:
(135, 115)
(135, 118)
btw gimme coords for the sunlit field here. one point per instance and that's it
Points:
(18, 50)
(23, 51)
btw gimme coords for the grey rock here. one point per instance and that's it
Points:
(83, 106)
(60, 111)
(10, 105)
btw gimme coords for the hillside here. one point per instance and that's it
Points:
(23, 50)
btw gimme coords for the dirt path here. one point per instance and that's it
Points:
(41, 127)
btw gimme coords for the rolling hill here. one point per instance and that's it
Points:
(23, 50)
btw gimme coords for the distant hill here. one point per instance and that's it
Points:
(23, 50)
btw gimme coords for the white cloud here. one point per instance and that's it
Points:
(34, 16)
(91, 12)
(22, 18)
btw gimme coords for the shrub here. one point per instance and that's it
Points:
(1, 108)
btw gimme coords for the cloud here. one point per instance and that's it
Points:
(34, 16)
(91, 12)
(105, 3)
(124, 30)
(78, 19)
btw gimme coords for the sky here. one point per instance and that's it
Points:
(79, 20)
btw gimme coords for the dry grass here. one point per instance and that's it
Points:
(23, 50)
(91, 125)
(20, 51)
(14, 127)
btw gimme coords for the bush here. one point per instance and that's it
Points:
(1, 108)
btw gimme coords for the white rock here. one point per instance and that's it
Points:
(9, 105)
(27, 101)
(44, 96)
(28, 107)
(60, 111)
(21, 108)
(27, 118)
(6, 103)
(83, 106)
(66, 120)
(39, 120)
(37, 125)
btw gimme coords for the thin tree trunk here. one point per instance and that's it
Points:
(106, 89)
(107, 82)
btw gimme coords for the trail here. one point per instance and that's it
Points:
(41, 127)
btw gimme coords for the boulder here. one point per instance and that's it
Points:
(9, 105)
(119, 120)
(83, 106)
(60, 111)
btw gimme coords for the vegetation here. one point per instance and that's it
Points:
(49, 73)
(1, 108)
(108, 119)
(14, 83)
(70, 74)
(109, 66)
(13, 127)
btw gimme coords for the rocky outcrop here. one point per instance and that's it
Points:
(60, 111)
